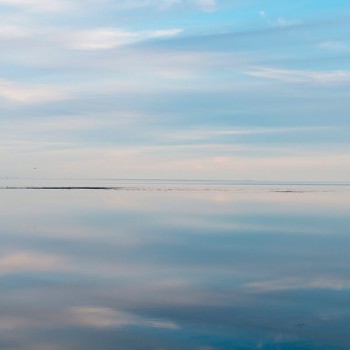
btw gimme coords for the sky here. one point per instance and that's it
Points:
(177, 89)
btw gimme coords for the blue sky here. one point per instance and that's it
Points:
(197, 89)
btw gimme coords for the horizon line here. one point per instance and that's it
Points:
(246, 181)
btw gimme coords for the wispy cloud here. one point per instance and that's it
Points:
(207, 134)
(13, 32)
(284, 22)
(109, 38)
(168, 4)
(38, 5)
(334, 45)
(75, 82)
(31, 93)
(302, 76)
(165, 5)
(206, 5)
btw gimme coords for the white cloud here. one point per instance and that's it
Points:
(108, 38)
(302, 76)
(167, 4)
(38, 5)
(334, 45)
(31, 93)
(206, 5)
(131, 4)
(216, 161)
(283, 22)
(205, 134)
(203, 5)
(13, 32)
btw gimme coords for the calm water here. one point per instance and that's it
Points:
(175, 266)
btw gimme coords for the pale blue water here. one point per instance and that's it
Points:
(153, 265)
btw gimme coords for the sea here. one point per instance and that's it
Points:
(169, 265)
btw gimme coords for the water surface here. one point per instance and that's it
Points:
(199, 266)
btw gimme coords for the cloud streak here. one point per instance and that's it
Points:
(109, 38)
(302, 76)
(31, 93)
(124, 78)
(38, 5)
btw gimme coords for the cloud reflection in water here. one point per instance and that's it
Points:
(174, 270)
